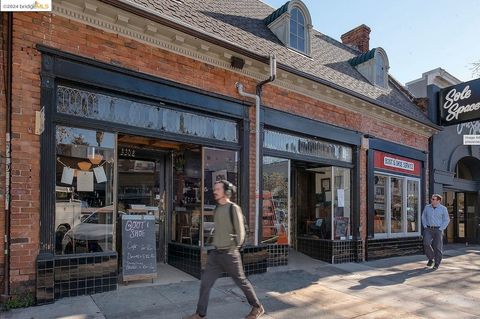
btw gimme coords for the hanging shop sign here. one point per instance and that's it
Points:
(398, 164)
(460, 103)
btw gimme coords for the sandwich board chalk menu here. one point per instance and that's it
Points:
(139, 260)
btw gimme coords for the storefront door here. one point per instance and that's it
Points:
(144, 181)
(464, 225)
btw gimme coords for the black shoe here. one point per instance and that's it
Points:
(435, 267)
(430, 263)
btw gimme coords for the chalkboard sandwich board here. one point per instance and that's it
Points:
(139, 260)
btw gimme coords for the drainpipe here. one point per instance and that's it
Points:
(8, 132)
(257, 97)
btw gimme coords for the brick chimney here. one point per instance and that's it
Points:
(358, 38)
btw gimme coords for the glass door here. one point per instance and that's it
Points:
(459, 222)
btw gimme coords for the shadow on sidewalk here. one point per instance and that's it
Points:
(391, 279)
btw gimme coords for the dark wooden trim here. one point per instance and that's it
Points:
(306, 126)
(47, 162)
(397, 149)
(245, 166)
(306, 158)
(370, 194)
(83, 70)
(355, 190)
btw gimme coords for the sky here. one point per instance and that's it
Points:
(418, 35)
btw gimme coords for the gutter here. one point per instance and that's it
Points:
(8, 155)
(258, 97)
(181, 26)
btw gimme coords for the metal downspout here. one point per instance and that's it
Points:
(257, 97)
(8, 132)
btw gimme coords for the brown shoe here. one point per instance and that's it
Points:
(194, 316)
(255, 313)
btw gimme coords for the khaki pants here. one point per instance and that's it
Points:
(220, 261)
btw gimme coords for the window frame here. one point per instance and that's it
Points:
(388, 201)
(297, 35)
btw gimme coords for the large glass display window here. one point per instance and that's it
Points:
(396, 205)
(194, 173)
(84, 206)
(276, 194)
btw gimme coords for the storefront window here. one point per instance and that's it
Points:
(413, 205)
(187, 192)
(103, 107)
(84, 191)
(218, 165)
(342, 203)
(380, 225)
(275, 213)
(396, 206)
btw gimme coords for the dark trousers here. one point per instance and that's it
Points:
(220, 261)
(433, 244)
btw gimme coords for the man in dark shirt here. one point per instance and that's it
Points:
(226, 255)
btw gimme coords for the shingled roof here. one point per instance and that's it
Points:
(243, 23)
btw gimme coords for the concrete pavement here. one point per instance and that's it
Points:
(399, 287)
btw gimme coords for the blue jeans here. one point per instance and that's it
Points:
(433, 244)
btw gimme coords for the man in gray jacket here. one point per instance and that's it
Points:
(228, 236)
(435, 220)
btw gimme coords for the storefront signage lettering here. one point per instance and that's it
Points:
(470, 128)
(397, 164)
(127, 152)
(139, 259)
(393, 162)
(460, 103)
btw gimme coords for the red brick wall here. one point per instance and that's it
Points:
(54, 31)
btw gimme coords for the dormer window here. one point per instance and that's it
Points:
(297, 30)
(373, 65)
(292, 25)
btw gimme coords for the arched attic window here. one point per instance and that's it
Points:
(292, 24)
(297, 30)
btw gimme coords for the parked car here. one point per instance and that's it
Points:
(93, 234)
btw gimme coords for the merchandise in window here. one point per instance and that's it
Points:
(275, 213)
(84, 210)
(396, 205)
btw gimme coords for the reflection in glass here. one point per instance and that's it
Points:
(218, 165)
(380, 204)
(187, 204)
(307, 146)
(341, 207)
(275, 200)
(413, 202)
(84, 190)
(123, 111)
(396, 187)
(461, 215)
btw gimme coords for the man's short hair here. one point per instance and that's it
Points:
(439, 197)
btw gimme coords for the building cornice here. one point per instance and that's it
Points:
(114, 20)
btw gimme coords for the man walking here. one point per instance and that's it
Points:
(228, 236)
(435, 220)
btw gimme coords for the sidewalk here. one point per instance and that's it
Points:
(390, 288)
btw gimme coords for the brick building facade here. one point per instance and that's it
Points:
(131, 41)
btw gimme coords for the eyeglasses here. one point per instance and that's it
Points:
(435, 199)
